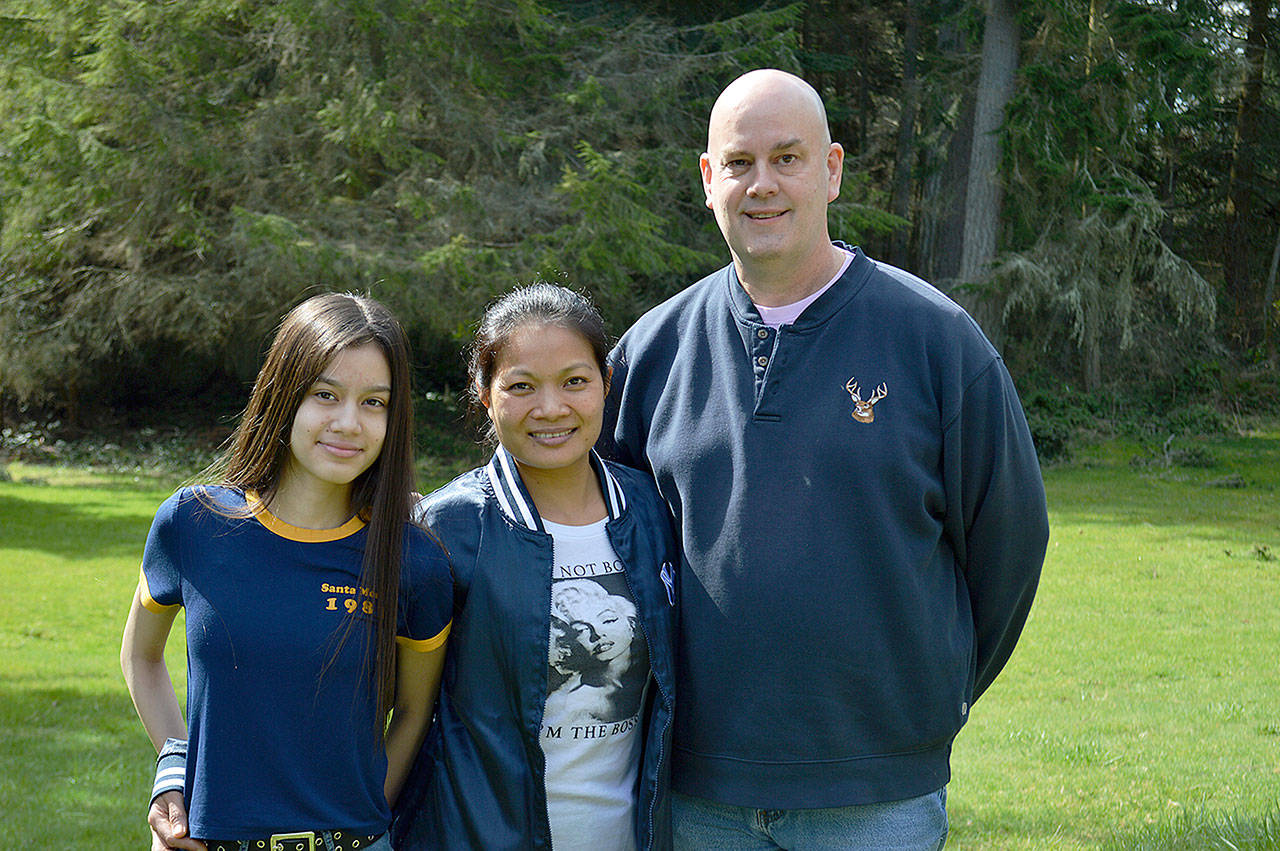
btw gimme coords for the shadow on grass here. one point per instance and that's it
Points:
(92, 528)
(75, 769)
(1120, 497)
(98, 480)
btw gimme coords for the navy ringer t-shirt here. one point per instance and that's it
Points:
(274, 744)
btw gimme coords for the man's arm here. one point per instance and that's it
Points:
(997, 517)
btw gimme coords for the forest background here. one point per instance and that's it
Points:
(1097, 181)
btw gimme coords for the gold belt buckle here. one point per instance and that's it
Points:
(278, 839)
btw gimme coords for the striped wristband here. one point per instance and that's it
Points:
(171, 768)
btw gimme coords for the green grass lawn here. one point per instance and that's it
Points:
(1142, 708)
(74, 763)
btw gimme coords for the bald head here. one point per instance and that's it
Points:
(768, 89)
(769, 172)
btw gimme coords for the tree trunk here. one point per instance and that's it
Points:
(1271, 307)
(1243, 288)
(984, 195)
(900, 203)
(941, 217)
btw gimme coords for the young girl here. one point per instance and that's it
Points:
(554, 720)
(312, 604)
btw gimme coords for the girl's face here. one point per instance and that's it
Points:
(338, 429)
(546, 397)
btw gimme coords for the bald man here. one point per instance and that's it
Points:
(861, 511)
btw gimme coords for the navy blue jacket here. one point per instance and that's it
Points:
(862, 522)
(478, 782)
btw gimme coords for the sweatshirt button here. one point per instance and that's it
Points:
(762, 361)
(762, 334)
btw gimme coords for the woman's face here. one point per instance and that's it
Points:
(602, 630)
(338, 429)
(546, 397)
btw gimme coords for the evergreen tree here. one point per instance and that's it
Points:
(1105, 87)
(175, 175)
(1253, 199)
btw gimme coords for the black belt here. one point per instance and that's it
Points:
(302, 840)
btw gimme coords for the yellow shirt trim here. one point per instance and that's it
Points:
(148, 602)
(425, 645)
(298, 533)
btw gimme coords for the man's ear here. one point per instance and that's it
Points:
(835, 170)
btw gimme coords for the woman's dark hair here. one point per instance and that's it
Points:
(308, 339)
(539, 303)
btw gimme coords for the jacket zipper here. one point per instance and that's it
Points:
(626, 575)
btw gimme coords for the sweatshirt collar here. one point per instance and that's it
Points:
(514, 499)
(827, 304)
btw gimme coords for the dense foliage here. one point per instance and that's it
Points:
(173, 176)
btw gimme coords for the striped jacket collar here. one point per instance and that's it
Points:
(518, 505)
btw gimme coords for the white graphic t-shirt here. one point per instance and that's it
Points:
(599, 667)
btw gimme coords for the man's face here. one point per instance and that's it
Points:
(769, 173)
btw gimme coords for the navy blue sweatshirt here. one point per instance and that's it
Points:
(862, 522)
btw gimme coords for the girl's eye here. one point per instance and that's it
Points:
(376, 402)
(325, 395)
(576, 380)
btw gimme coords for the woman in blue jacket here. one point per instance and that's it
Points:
(554, 719)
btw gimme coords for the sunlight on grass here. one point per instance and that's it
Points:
(1143, 695)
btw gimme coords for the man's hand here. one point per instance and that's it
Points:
(168, 820)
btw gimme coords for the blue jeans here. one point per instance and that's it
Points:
(911, 825)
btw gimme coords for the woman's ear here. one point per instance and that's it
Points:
(482, 393)
(608, 380)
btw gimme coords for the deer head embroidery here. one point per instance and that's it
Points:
(863, 411)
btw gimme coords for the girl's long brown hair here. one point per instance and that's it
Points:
(308, 338)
